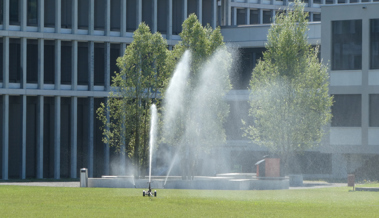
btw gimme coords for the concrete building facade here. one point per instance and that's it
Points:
(57, 58)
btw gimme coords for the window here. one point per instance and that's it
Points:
(177, 17)
(347, 45)
(99, 14)
(374, 111)
(316, 17)
(32, 12)
(248, 60)
(147, 12)
(162, 18)
(374, 44)
(254, 16)
(346, 111)
(49, 13)
(131, 7)
(14, 17)
(266, 16)
(241, 16)
(66, 14)
(115, 15)
(83, 14)
(66, 62)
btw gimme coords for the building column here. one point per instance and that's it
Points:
(23, 60)
(57, 137)
(106, 145)
(107, 69)
(40, 112)
(247, 16)
(273, 16)
(40, 63)
(154, 28)
(74, 16)
(41, 15)
(214, 14)
(58, 17)
(91, 53)
(91, 16)
(5, 139)
(5, 62)
(200, 11)
(234, 16)
(123, 19)
(260, 16)
(335, 2)
(23, 137)
(57, 64)
(310, 16)
(5, 15)
(169, 20)
(185, 9)
(90, 135)
(74, 136)
(107, 17)
(323, 2)
(23, 14)
(122, 49)
(74, 65)
(138, 12)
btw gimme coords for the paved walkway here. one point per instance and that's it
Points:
(306, 185)
(47, 184)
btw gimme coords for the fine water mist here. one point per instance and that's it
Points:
(198, 112)
(153, 134)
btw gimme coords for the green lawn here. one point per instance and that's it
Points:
(18, 201)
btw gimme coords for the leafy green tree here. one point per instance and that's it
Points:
(289, 100)
(190, 131)
(126, 114)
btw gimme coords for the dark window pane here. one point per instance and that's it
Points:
(316, 17)
(328, 1)
(49, 62)
(99, 14)
(316, 1)
(83, 14)
(1, 60)
(347, 45)
(254, 17)
(192, 7)
(82, 63)
(346, 111)
(32, 12)
(241, 16)
(207, 14)
(49, 13)
(99, 64)
(266, 16)
(147, 12)
(131, 8)
(115, 53)
(1, 11)
(177, 17)
(374, 44)
(66, 63)
(374, 111)
(14, 16)
(248, 60)
(32, 61)
(14, 61)
(162, 16)
(115, 15)
(66, 15)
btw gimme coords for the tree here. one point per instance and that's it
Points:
(191, 133)
(126, 114)
(289, 100)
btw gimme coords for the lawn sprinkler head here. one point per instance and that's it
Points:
(149, 192)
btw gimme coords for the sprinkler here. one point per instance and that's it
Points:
(149, 192)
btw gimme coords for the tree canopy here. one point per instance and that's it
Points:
(126, 114)
(290, 103)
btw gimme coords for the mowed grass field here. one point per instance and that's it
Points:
(23, 201)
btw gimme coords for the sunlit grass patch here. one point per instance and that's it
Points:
(19, 201)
